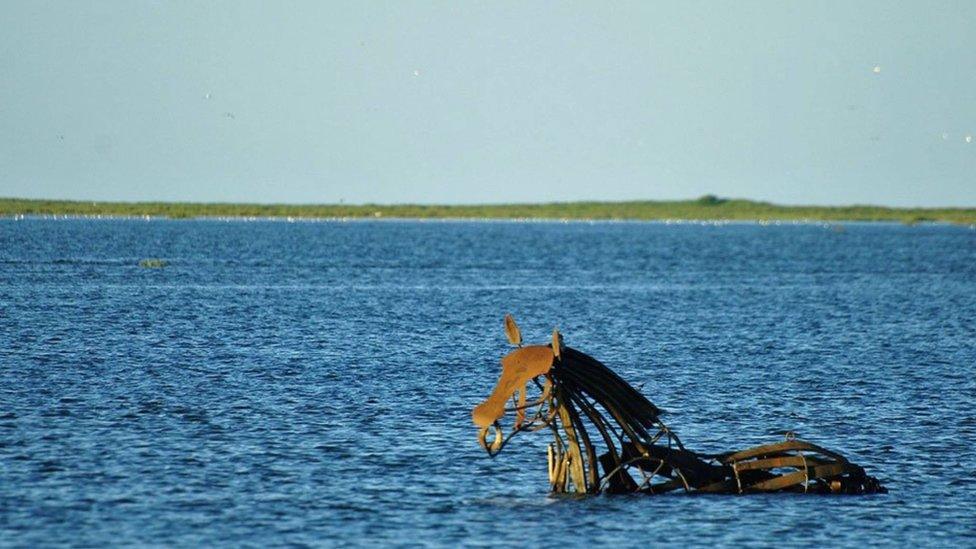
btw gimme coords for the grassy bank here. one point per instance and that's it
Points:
(704, 208)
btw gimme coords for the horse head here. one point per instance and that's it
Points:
(520, 369)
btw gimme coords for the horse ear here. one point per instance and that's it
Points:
(557, 342)
(512, 331)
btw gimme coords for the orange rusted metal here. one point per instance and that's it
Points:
(518, 368)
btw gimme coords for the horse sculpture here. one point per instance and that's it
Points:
(576, 393)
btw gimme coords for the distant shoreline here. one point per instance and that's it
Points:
(706, 208)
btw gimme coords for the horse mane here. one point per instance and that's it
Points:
(582, 374)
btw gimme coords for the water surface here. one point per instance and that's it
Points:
(311, 383)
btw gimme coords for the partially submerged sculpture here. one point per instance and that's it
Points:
(579, 399)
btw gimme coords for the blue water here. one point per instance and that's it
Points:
(311, 383)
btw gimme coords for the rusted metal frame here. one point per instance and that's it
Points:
(609, 392)
(682, 476)
(664, 487)
(559, 473)
(760, 451)
(620, 467)
(546, 390)
(556, 449)
(495, 452)
(626, 423)
(674, 436)
(597, 420)
(775, 459)
(635, 438)
(738, 479)
(549, 456)
(557, 482)
(599, 423)
(572, 472)
(806, 471)
(539, 420)
(631, 426)
(529, 426)
(648, 479)
(607, 396)
(591, 472)
(588, 390)
(506, 439)
(785, 481)
(662, 461)
(554, 427)
(576, 470)
(674, 468)
(518, 401)
(779, 448)
(719, 487)
(776, 462)
(519, 409)
(646, 482)
(632, 395)
(663, 429)
(497, 443)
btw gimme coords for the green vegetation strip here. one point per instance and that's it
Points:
(705, 208)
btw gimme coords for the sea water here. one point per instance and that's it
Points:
(310, 383)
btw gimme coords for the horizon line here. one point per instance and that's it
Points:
(703, 199)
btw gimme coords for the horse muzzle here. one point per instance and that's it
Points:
(496, 444)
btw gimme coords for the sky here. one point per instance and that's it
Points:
(489, 102)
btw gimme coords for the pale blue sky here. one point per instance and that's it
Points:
(463, 102)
